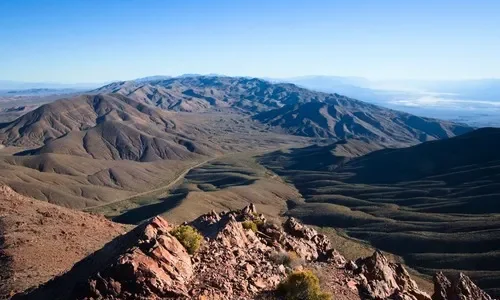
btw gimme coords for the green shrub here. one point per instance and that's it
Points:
(250, 225)
(260, 223)
(303, 285)
(188, 237)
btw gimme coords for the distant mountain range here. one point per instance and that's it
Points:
(478, 89)
(283, 106)
(8, 85)
(41, 91)
(344, 118)
(297, 110)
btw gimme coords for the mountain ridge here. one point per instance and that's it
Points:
(294, 109)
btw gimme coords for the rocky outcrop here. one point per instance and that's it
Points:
(233, 263)
(381, 279)
(156, 268)
(146, 263)
(302, 240)
(459, 288)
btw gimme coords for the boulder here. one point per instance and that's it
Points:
(146, 263)
(460, 287)
(381, 279)
(296, 229)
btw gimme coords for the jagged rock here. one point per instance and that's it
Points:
(304, 241)
(273, 231)
(380, 279)
(157, 267)
(146, 263)
(250, 210)
(233, 234)
(303, 248)
(234, 263)
(350, 265)
(322, 243)
(296, 229)
(333, 256)
(212, 223)
(459, 288)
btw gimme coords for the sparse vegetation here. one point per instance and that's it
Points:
(439, 218)
(189, 237)
(259, 223)
(303, 285)
(249, 225)
(289, 259)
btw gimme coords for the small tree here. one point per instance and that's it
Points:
(302, 285)
(188, 237)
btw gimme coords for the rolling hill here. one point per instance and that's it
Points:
(93, 149)
(434, 204)
(102, 127)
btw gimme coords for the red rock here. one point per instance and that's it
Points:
(148, 262)
(293, 227)
(380, 279)
(459, 288)
(233, 263)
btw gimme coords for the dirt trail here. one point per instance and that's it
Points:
(161, 188)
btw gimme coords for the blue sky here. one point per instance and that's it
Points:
(96, 41)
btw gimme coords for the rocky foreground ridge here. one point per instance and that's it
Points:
(236, 263)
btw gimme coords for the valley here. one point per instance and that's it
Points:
(433, 204)
(422, 190)
(223, 183)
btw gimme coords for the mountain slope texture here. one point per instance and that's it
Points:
(39, 240)
(296, 110)
(237, 263)
(435, 204)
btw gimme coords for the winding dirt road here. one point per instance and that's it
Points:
(161, 188)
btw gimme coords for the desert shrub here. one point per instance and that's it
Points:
(303, 285)
(260, 223)
(250, 225)
(189, 237)
(289, 259)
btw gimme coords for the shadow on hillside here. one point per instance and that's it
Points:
(5, 266)
(139, 214)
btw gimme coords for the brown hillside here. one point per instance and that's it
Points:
(296, 110)
(89, 150)
(103, 127)
(344, 118)
(40, 240)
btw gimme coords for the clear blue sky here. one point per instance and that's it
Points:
(96, 41)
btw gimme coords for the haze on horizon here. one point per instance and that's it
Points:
(100, 41)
